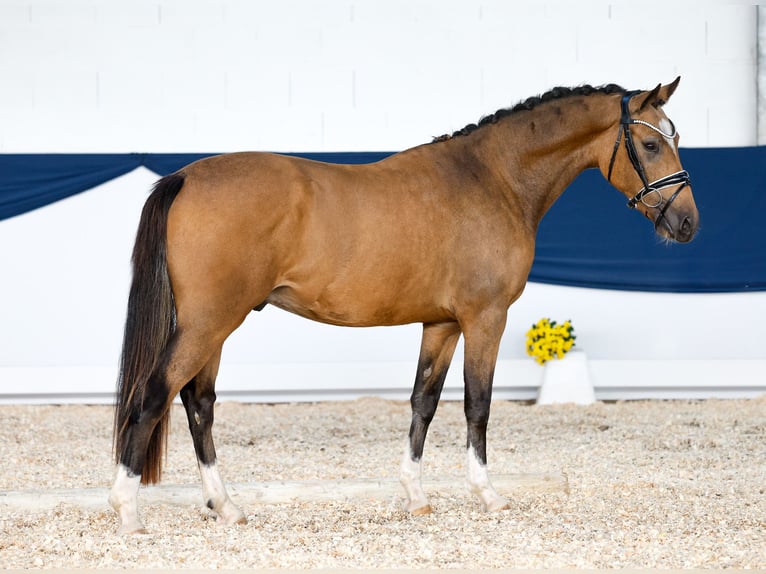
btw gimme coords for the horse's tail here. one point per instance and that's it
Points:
(149, 325)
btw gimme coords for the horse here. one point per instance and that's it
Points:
(441, 234)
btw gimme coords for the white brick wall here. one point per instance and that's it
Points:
(223, 75)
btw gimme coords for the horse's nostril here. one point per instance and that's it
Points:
(685, 230)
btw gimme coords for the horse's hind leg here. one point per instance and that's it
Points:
(188, 352)
(123, 496)
(198, 398)
(436, 350)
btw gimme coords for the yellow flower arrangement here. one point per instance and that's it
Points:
(547, 340)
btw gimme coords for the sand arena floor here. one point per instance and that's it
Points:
(671, 484)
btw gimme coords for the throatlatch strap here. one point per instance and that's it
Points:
(614, 154)
(625, 121)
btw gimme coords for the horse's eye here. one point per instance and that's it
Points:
(652, 146)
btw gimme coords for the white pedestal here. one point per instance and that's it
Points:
(567, 381)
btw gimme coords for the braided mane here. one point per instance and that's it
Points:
(531, 103)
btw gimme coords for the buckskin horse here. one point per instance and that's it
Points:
(442, 234)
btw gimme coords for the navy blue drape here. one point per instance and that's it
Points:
(29, 181)
(588, 238)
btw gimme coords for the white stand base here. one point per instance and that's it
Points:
(567, 381)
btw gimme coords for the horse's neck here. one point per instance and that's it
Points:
(543, 150)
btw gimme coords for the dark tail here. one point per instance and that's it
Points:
(150, 323)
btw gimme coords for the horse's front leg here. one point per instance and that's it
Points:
(482, 341)
(436, 350)
(198, 398)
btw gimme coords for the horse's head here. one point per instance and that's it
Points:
(644, 164)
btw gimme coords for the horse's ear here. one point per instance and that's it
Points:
(659, 96)
(652, 98)
(668, 90)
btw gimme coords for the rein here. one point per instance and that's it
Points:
(679, 178)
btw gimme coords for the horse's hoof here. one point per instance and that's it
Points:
(231, 518)
(232, 521)
(227, 523)
(127, 530)
(498, 505)
(422, 511)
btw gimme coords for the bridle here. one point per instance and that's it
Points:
(650, 195)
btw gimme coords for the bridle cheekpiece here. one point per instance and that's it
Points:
(650, 195)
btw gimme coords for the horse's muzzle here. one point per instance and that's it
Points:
(678, 224)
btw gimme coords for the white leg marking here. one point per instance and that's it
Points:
(409, 476)
(478, 483)
(216, 497)
(124, 499)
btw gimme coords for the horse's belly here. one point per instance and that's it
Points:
(357, 309)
